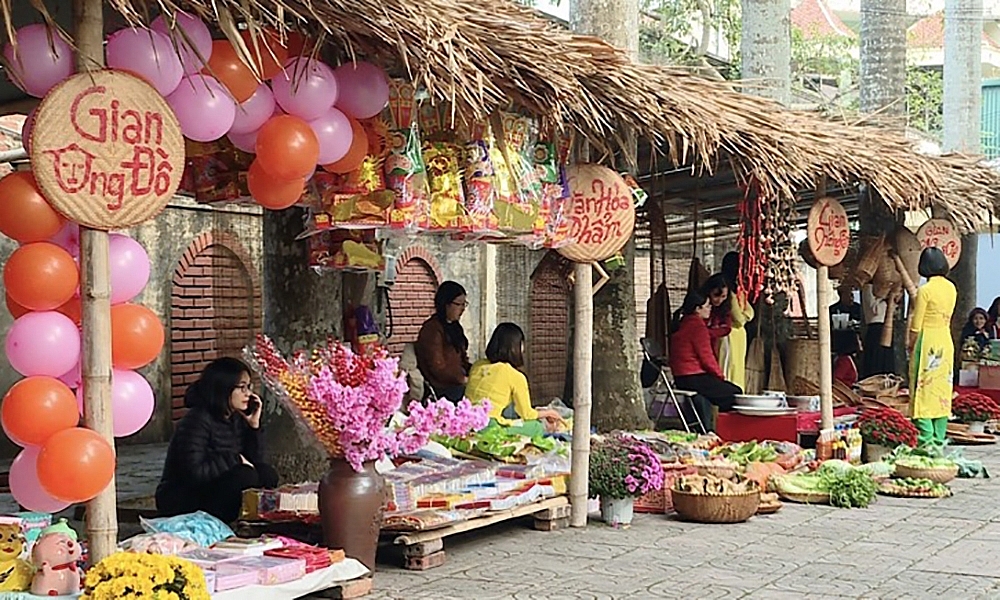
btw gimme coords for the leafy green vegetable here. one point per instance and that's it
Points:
(805, 483)
(850, 489)
(834, 467)
(744, 454)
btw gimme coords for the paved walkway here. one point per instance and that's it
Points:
(898, 548)
(940, 549)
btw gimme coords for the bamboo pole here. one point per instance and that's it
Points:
(95, 298)
(825, 354)
(583, 345)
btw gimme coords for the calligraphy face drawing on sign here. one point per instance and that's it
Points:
(72, 167)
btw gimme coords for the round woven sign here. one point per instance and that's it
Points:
(942, 234)
(827, 231)
(106, 150)
(601, 213)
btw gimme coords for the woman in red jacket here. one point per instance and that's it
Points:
(692, 361)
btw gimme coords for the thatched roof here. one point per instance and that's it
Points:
(483, 56)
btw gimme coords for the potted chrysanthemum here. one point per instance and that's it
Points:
(622, 468)
(883, 429)
(975, 409)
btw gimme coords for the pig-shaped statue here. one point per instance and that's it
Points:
(55, 556)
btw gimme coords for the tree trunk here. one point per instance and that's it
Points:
(301, 309)
(617, 393)
(963, 75)
(766, 48)
(883, 60)
(883, 95)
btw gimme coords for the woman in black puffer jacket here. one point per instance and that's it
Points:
(217, 448)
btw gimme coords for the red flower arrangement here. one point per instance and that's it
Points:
(887, 427)
(973, 407)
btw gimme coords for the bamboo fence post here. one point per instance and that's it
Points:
(583, 345)
(95, 298)
(825, 354)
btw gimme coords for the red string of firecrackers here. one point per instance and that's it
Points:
(753, 247)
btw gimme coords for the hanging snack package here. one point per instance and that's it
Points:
(551, 226)
(215, 171)
(404, 167)
(346, 250)
(517, 212)
(479, 179)
(443, 160)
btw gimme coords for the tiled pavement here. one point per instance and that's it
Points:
(897, 549)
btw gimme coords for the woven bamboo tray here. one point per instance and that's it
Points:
(888, 489)
(937, 475)
(701, 508)
(816, 498)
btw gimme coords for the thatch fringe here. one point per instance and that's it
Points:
(485, 56)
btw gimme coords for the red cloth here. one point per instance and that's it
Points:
(845, 371)
(691, 349)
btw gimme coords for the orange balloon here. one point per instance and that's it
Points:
(25, 214)
(72, 309)
(36, 408)
(136, 336)
(41, 276)
(226, 66)
(15, 309)
(272, 55)
(270, 192)
(355, 154)
(287, 148)
(75, 465)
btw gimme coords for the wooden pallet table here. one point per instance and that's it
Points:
(424, 550)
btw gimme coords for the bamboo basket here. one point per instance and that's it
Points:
(937, 475)
(816, 498)
(881, 386)
(700, 508)
(802, 361)
(872, 251)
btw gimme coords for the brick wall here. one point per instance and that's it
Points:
(215, 309)
(549, 338)
(412, 297)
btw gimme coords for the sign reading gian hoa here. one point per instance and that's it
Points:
(107, 150)
(942, 233)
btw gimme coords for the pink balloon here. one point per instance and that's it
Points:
(253, 113)
(26, 488)
(246, 142)
(363, 89)
(306, 88)
(129, 268)
(74, 377)
(43, 343)
(43, 59)
(147, 54)
(335, 133)
(29, 124)
(132, 402)
(190, 35)
(68, 238)
(204, 108)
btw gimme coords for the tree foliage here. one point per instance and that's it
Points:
(824, 68)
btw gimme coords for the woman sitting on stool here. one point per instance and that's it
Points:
(692, 361)
(217, 449)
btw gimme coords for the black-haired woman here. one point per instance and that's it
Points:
(977, 328)
(720, 321)
(498, 378)
(932, 352)
(442, 348)
(216, 451)
(692, 362)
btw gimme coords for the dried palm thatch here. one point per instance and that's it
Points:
(481, 57)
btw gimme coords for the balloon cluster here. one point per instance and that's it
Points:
(62, 463)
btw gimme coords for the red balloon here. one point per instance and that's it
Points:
(72, 309)
(25, 214)
(36, 408)
(226, 66)
(15, 309)
(75, 465)
(287, 148)
(136, 336)
(41, 276)
(355, 154)
(270, 192)
(266, 51)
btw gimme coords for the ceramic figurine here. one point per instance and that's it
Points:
(15, 573)
(55, 555)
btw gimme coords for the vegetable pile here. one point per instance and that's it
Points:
(496, 442)
(915, 488)
(749, 452)
(846, 486)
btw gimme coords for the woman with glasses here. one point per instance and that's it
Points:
(442, 348)
(217, 448)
